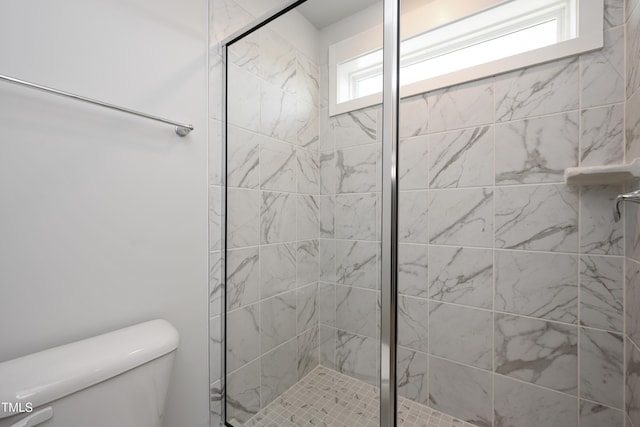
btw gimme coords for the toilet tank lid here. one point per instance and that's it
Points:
(43, 377)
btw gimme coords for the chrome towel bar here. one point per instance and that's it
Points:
(633, 197)
(182, 129)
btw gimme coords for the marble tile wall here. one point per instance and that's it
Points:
(632, 237)
(273, 207)
(511, 306)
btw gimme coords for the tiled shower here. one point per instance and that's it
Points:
(518, 296)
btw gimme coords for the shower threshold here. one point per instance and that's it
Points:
(327, 398)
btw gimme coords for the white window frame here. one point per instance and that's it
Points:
(586, 35)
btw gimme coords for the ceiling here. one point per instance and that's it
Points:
(322, 13)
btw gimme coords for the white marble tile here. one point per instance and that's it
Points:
(243, 392)
(308, 355)
(536, 150)
(603, 71)
(243, 336)
(357, 356)
(277, 60)
(307, 218)
(633, 51)
(328, 342)
(308, 80)
(631, 214)
(356, 310)
(327, 304)
(542, 217)
(308, 172)
(632, 126)
(277, 166)
(355, 128)
(243, 277)
(461, 106)
(413, 163)
(308, 262)
(414, 112)
(357, 263)
(613, 13)
(461, 158)
(215, 152)
(630, 7)
(243, 94)
(412, 270)
(328, 173)
(306, 126)
(227, 17)
(278, 113)
(412, 375)
(357, 169)
(461, 334)
(245, 53)
(461, 391)
(243, 218)
(325, 131)
(632, 382)
(215, 349)
(307, 308)
(461, 275)
(537, 351)
(595, 415)
(215, 404)
(327, 260)
(216, 66)
(215, 218)
(601, 292)
(413, 208)
(601, 367)
(215, 284)
(243, 157)
(356, 216)
(327, 216)
(521, 404)
(277, 321)
(278, 216)
(277, 269)
(541, 89)
(602, 141)
(461, 217)
(632, 300)
(537, 285)
(278, 371)
(413, 321)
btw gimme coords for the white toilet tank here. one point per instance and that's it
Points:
(119, 379)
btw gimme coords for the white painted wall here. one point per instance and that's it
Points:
(103, 216)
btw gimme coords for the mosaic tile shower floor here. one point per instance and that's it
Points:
(327, 398)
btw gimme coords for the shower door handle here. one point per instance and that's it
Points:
(633, 197)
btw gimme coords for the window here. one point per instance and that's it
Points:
(507, 36)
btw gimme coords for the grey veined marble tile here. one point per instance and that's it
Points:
(541, 89)
(632, 300)
(461, 217)
(413, 207)
(277, 269)
(460, 391)
(537, 351)
(603, 71)
(541, 217)
(461, 106)
(412, 270)
(243, 392)
(413, 321)
(602, 140)
(277, 320)
(461, 275)
(243, 339)
(356, 216)
(632, 382)
(243, 157)
(633, 51)
(308, 345)
(461, 158)
(277, 166)
(356, 310)
(278, 216)
(308, 262)
(278, 371)
(412, 375)
(613, 13)
(601, 292)
(601, 367)
(521, 404)
(599, 234)
(243, 277)
(307, 217)
(413, 163)
(595, 415)
(461, 334)
(357, 169)
(536, 150)
(355, 128)
(327, 216)
(327, 304)
(215, 284)
(414, 112)
(243, 217)
(215, 218)
(308, 173)
(357, 263)
(307, 308)
(537, 284)
(357, 356)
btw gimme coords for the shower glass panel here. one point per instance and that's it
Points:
(303, 215)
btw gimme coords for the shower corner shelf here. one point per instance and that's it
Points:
(599, 175)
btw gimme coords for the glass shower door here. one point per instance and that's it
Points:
(303, 213)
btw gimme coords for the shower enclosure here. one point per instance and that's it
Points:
(413, 257)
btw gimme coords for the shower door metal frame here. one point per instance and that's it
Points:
(390, 195)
